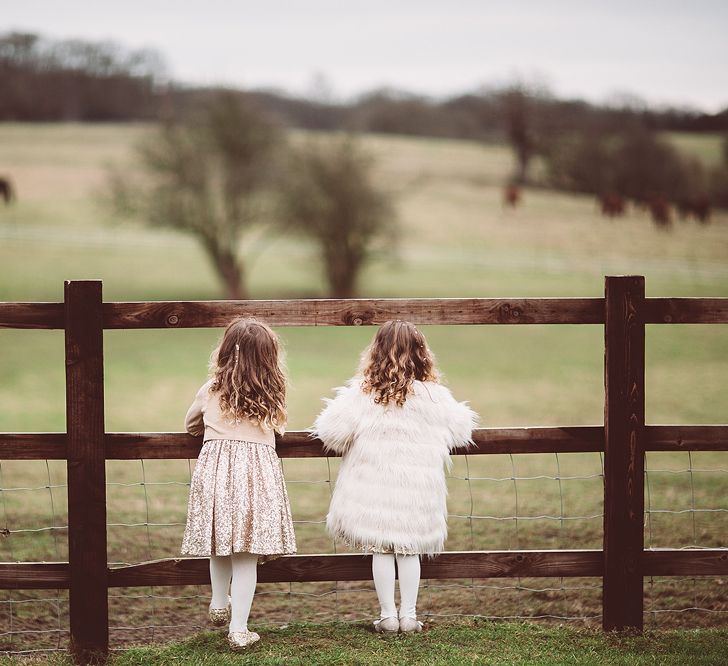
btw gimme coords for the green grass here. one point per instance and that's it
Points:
(457, 241)
(707, 147)
(451, 644)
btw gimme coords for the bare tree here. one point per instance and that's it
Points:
(330, 196)
(719, 179)
(210, 177)
(527, 112)
(519, 127)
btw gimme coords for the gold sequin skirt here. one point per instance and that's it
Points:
(238, 502)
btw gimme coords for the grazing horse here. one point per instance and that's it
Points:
(511, 195)
(612, 204)
(6, 190)
(697, 207)
(660, 211)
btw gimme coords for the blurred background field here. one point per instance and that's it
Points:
(457, 240)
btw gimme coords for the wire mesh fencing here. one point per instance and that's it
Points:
(34, 527)
(496, 502)
(686, 506)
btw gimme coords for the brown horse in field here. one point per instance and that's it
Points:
(511, 195)
(661, 211)
(6, 190)
(695, 207)
(612, 204)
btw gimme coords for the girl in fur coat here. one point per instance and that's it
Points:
(394, 425)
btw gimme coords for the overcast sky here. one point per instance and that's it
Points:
(666, 51)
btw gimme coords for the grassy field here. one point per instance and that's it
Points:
(457, 241)
(706, 147)
(452, 644)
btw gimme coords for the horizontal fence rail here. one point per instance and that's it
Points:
(623, 439)
(299, 444)
(348, 567)
(365, 312)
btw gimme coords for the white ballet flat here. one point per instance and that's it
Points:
(387, 625)
(409, 625)
(239, 640)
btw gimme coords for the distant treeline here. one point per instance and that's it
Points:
(476, 115)
(50, 80)
(47, 80)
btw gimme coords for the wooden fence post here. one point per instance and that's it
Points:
(624, 445)
(88, 594)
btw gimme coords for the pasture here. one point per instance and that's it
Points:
(454, 643)
(457, 240)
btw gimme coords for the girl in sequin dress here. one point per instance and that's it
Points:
(394, 425)
(238, 511)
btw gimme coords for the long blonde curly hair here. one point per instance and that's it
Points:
(248, 374)
(397, 357)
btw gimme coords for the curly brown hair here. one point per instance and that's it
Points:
(397, 357)
(248, 374)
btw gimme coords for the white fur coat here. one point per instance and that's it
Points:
(391, 490)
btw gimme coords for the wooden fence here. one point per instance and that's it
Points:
(622, 563)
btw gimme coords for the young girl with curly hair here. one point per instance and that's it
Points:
(394, 424)
(238, 511)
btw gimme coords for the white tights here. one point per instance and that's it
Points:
(408, 567)
(242, 570)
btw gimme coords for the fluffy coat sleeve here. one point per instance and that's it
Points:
(461, 420)
(337, 423)
(194, 420)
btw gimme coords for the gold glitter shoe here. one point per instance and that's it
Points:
(219, 616)
(239, 640)
(408, 625)
(387, 625)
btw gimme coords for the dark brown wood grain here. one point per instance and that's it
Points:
(356, 312)
(331, 312)
(708, 562)
(508, 564)
(558, 439)
(31, 315)
(469, 564)
(34, 575)
(624, 418)
(311, 568)
(686, 311)
(298, 444)
(151, 445)
(686, 437)
(33, 446)
(88, 599)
